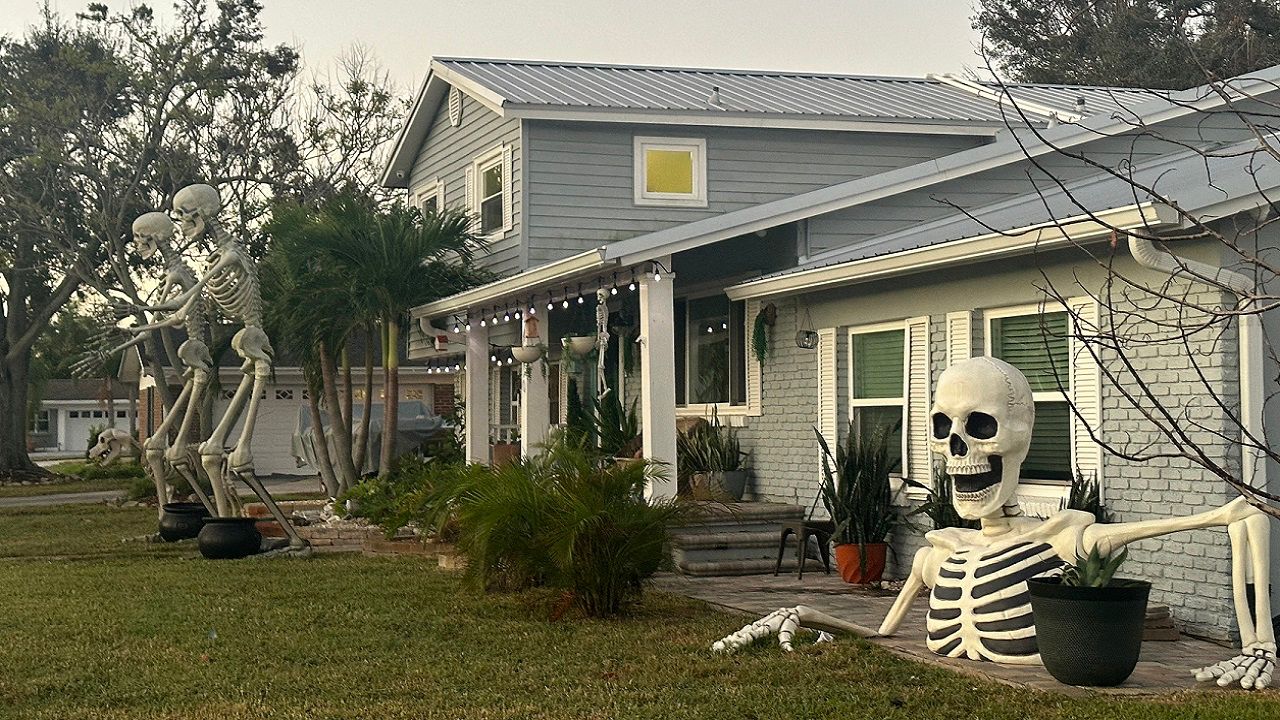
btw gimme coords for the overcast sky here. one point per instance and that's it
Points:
(882, 37)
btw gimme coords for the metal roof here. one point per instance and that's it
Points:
(1194, 180)
(636, 87)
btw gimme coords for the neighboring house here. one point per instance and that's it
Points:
(284, 401)
(695, 198)
(70, 410)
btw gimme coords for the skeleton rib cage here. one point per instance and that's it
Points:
(234, 289)
(980, 606)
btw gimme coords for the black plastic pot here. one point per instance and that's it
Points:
(182, 521)
(229, 538)
(1089, 636)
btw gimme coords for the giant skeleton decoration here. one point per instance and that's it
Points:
(153, 233)
(231, 282)
(979, 606)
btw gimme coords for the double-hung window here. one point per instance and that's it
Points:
(877, 396)
(431, 197)
(1038, 344)
(489, 191)
(670, 171)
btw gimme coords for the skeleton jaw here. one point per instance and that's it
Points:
(981, 489)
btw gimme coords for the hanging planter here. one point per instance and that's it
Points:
(527, 354)
(579, 346)
(807, 337)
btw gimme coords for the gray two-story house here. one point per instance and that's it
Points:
(887, 227)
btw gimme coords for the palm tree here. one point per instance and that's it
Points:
(350, 267)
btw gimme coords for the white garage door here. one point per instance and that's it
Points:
(273, 436)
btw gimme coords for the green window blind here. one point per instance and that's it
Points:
(1036, 345)
(877, 364)
(887, 418)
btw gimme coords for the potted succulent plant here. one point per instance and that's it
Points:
(1088, 622)
(858, 496)
(712, 459)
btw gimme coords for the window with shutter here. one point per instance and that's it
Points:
(876, 387)
(489, 190)
(1037, 344)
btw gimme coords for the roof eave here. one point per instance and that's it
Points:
(1038, 237)
(721, 118)
(518, 284)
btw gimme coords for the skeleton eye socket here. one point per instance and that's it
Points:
(981, 426)
(941, 426)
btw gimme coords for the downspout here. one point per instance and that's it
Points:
(1251, 351)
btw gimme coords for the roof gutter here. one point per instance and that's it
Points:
(1042, 236)
(519, 284)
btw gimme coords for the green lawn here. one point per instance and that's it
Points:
(140, 631)
(69, 486)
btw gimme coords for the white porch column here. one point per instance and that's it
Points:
(476, 413)
(61, 416)
(658, 377)
(535, 407)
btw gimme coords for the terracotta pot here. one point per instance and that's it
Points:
(849, 560)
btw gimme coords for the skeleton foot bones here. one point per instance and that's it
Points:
(979, 601)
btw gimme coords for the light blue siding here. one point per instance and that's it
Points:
(580, 178)
(449, 151)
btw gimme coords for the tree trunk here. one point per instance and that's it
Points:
(327, 474)
(362, 432)
(391, 394)
(343, 467)
(14, 460)
(346, 386)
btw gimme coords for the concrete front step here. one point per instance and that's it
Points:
(734, 539)
(712, 568)
(724, 546)
(740, 517)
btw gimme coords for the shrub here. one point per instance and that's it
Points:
(1085, 495)
(410, 493)
(709, 447)
(856, 491)
(568, 518)
(96, 471)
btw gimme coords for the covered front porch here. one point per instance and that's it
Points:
(658, 334)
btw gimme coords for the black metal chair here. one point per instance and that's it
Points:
(821, 530)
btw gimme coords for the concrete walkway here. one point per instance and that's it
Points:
(1164, 667)
(276, 485)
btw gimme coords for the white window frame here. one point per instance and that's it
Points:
(901, 326)
(497, 156)
(434, 188)
(698, 146)
(1034, 489)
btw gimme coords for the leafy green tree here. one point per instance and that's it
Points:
(1170, 44)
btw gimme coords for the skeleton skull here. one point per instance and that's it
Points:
(151, 230)
(981, 423)
(194, 207)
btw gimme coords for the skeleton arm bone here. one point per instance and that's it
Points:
(1110, 537)
(907, 595)
(182, 303)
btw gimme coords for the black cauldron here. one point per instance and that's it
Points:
(229, 538)
(182, 521)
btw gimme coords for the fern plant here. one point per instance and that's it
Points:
(760, 336)
(1095, 569)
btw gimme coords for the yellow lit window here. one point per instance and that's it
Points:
(668, 171)
(671, 171)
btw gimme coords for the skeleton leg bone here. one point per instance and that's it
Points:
(179, 454)
(784, 622)
(240, 462)
(212, 453)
